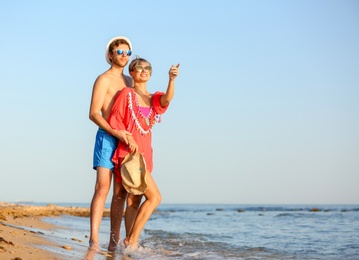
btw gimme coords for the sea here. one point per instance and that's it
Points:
(220, 231)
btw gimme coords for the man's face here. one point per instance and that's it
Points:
(120, 55)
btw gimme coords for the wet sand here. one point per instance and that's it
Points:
(23, 235)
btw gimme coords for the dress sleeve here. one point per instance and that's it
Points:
(116, 118)
(156, 103)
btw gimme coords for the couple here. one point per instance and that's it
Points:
(125, 112)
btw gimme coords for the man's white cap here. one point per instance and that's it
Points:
(110, 41)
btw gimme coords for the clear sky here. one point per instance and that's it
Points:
(266, 109)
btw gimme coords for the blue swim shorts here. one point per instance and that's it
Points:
(105, 146)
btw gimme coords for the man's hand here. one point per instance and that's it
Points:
(122, 135)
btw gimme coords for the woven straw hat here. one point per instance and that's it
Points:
(133, 173)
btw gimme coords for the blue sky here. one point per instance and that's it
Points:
(266, 109)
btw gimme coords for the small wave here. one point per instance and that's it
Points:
(196, 246)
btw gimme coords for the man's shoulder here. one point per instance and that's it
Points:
(128, 81)
(109, 77)
(105, 75)
(103, 78)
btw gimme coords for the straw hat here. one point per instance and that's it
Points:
(113, 39)
(133, 173)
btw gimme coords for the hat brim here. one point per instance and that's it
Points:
(128, 180)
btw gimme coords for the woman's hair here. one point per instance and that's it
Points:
(136, 61)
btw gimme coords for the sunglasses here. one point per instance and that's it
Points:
(140, 68)
(120, 52)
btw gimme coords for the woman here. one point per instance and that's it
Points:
(136, 110)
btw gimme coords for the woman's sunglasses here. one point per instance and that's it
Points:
(140, 68)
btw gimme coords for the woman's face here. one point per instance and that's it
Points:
(141, 72)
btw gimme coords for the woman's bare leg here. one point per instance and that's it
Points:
(153, 199)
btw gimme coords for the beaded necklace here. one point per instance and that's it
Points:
(143, 123)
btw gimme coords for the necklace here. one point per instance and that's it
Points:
(138, 117)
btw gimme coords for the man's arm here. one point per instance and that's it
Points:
(99, 91)
(97, 100)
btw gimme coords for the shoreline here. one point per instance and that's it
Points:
(24, 235)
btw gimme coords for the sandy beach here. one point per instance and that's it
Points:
(23, 235)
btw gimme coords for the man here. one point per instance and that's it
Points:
(107, 86)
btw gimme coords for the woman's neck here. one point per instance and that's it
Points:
(140, 88)
(143, 96)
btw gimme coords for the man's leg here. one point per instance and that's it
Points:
(117, 206)
(103, 182)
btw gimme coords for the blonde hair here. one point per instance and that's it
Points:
(136, 61)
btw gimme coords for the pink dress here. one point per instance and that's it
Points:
(127, 115)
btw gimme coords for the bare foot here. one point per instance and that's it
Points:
(94, 246)
(126, 242)
(112, 246)
(130, 244)
(113, 243)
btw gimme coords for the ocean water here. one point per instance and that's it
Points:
(208, 231)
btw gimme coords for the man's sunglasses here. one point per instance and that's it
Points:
(121, 52)
(140, 68)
